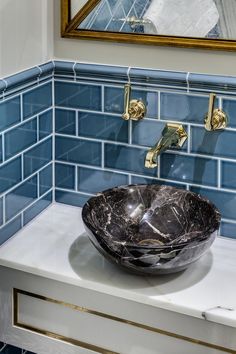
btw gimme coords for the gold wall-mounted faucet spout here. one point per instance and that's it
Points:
(172, 135)
(216, 119)
(133, 109)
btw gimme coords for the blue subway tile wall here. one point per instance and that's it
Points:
(95, 149)
(26, 121)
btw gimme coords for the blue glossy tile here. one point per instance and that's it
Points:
(229, 107)
(188, 169)
(37, 157)
(228, 175)
(114, 100)
(46, 69)
(127, 159)
(212, 83)
(146, 180)
(219, 143)
(228, 229)
(64, 68)
(22, 78)
(74, 95)
(45, 124)
(3, 86)
(10, 174)
(37, 100)
(20, 138)
(36, 209)
(65, 121)
(93, 181)
(95, 71)
(8, 231)
(1, 149)
(78, 151)
(159, 77)
(9, 112)
(187, 108)
(224, 201)
(146, 132)
(71, 198)
(45, 180)
(103, 126)
(64, 176)
(21, 197)
(1, 211)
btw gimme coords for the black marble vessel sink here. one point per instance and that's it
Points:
(151, 229)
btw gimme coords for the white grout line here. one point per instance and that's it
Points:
(187, 81)
(219, 174)
(103, 98)
(73, 191)
(103, 155)
(21, 108)
(76, 178)
(53, 140)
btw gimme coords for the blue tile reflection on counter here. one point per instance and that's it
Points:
(37, 208)
(9, 229)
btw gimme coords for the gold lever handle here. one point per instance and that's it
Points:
(216, 119)
(126, 114)
(134, 109)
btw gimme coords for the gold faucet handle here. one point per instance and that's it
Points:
(134, 109)
(216, 119)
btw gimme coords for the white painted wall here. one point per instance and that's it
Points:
(26, 34)
(206, 61)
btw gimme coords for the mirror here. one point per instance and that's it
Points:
(186, 23)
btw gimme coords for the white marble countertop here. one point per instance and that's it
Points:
(55, 245)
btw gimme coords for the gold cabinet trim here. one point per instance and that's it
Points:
(97, 349)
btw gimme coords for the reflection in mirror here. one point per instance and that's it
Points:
(75, 6)
(213, 19)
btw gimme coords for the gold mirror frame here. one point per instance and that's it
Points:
(69, 30)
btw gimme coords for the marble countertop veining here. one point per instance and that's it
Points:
(55, 246)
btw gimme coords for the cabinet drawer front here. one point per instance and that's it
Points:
(100, 332)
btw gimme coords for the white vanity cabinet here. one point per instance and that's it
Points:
(59, 296)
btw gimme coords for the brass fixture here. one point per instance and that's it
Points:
(216, 119)
(134, 21)
(134, 109)
(172, 135)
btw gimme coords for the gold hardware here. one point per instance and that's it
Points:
(17, 323)
(172, 135)
(134, 109)
(216, 119)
